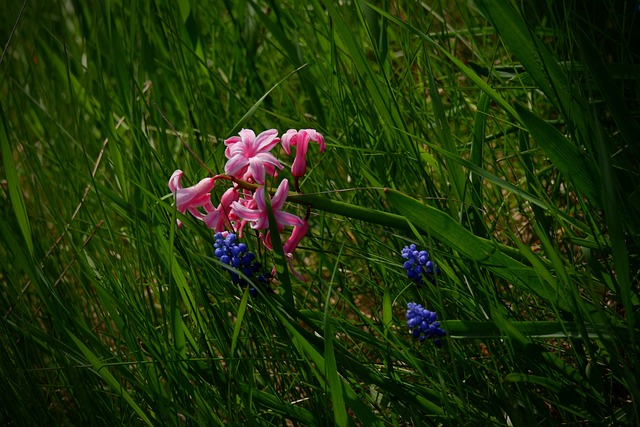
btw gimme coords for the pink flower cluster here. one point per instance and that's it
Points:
(250, 161)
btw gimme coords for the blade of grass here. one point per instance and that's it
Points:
(615, 224)
(611, 96)
(242, 308)
(477, 158)
(305, 346)
(385, 105)
(179, 328)
(469, 72)
(473, 329)
(102, 370)
(282, 267)
(331, 369)
(443, 131)
(542, 356)
(296, 56)
(539, 62)
(257, 104)
(13, 184)
(568, 158)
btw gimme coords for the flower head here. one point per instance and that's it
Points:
(237, 256)
(250, 160)
(249, 156)
(301, 140)
(424, 324)
(418, 264)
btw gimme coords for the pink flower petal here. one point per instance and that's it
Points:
(174, 181)
(288, 139)
(230, 141)
(296, 235)
(278, 199)
(247, 136)
(236, 166)
(316, 137)
(286, 218)
(299, 166)
(293, 270)
(212, 220)
(229, 196)
(187, 196)
(267, 140)
(257, 218)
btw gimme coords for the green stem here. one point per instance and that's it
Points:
(340, 208)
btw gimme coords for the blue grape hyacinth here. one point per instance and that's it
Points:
(424, 324)
(418, 265)
(237, 255)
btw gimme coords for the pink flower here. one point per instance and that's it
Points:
(249, 157)
(257, 214)
(191, 198)
(217, 219)
(301, 140)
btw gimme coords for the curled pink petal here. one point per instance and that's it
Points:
(229, 196)
(286, 218)
(230, 141)
(288, 139)
(266, 140)
(195, 194)
(293, 270)
(174, 181)
(316, 136)
(212, 220)
(278, 199)
(236, 166)
(266, 240)
(299, 231)
(247, 136)
(258, 219)
(219, 218)
(262, 163)
(191, 198)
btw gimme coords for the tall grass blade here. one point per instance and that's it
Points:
(257, 104)
(334, 381)
(280, 258)
(102, 370)
(14, 187)
(569, 159)
(539, 62)
(610, 93)
(385, 105)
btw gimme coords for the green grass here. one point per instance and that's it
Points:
(499, 136)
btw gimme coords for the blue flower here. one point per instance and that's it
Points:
(418, 265)
(424, 324)
(238, 257)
